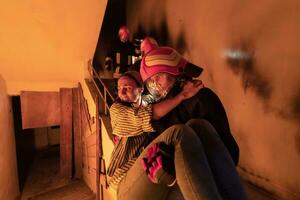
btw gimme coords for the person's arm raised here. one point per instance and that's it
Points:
(189, 90)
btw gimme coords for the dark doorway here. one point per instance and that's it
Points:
(24, 143)
(38, 154)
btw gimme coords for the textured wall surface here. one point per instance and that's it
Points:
(9, 188)
(250, 54)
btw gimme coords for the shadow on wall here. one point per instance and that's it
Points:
(269, 33)
(293, 112)
(296, 106)
(241, 61)
(296, 112)
(297, 140)
(162, 35)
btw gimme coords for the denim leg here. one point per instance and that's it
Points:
(136, 185)
(226, 177)
(193, 174)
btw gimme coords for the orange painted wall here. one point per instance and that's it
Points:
(9, 187)
(261, 95)
(46, 45)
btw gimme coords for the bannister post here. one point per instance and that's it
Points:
(105, 102)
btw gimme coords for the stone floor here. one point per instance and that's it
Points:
(44, 182)
(77, 190)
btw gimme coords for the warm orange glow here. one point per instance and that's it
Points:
(47, 45)
(261, 93)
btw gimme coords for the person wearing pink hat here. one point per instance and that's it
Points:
(205, 152)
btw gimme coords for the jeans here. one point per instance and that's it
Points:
(204, 168)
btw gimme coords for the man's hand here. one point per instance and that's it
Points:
(191, 88)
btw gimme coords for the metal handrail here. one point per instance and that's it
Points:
(98, 77)
(106, 93)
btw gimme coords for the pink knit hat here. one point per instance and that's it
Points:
(162, 59)
(148, 44)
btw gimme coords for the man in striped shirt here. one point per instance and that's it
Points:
(131, 122)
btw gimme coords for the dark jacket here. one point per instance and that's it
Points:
(124, 51)
(204, 105)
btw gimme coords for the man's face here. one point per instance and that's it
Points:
(128, 91)
(160, 84)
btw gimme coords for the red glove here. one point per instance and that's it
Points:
(159, 164)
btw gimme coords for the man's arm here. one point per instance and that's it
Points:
(164, 107)
(127, 122)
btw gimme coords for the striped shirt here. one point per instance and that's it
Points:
(132, 125)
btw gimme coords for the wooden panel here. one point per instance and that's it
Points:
(77, 133)
(92, 163)
(91, 151)
(91, 178)
(90, 140)
(66, 133)
(40, 109)
(93, 127)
